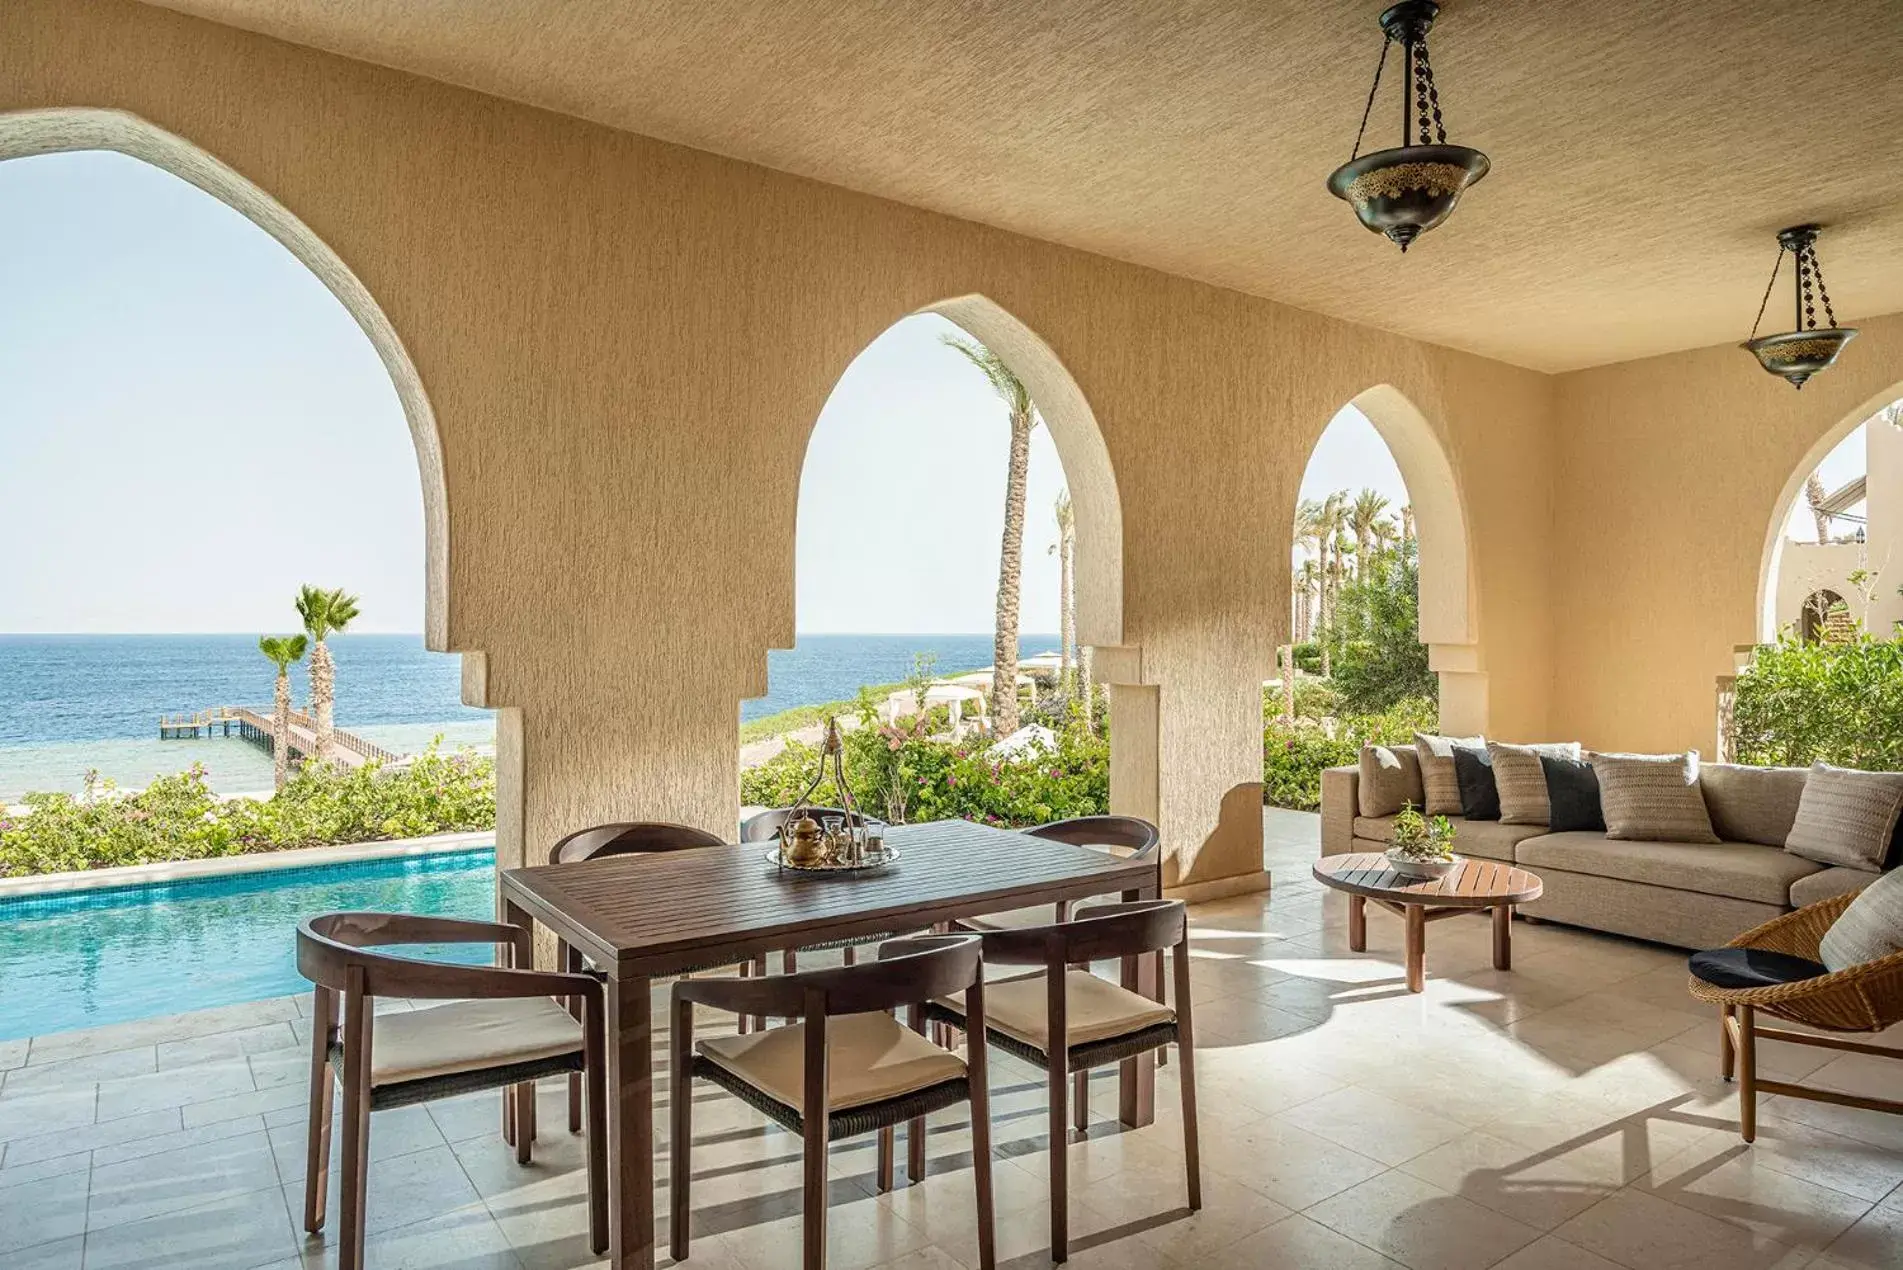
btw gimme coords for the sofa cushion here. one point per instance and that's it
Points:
(1830, 882)
(1752, 967)
(1652, 797)
(1740, 870)
(1846, 817)
(1751, 804)
(1522, 782)
(1390, 779)
(1479, 795)
(1871, 927)
(1440, 785)
(1488, 839)
(1572, 795)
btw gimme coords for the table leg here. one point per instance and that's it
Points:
(1358, 923)
(1136, 1077)
(1503, 937)
(630, 1124)
(1416, 947)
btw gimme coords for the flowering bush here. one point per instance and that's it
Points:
(900, 774)
(1293, 755)
(179, 818)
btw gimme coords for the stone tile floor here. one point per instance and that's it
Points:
(1565, 1115)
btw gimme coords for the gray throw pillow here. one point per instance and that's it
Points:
(1652, 797)
(1752, 804)
(1871, 927)
(1522, 781)
(1390, 779)
(1440, 783)
(1846, 816)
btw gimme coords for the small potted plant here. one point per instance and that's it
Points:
(1421, 847)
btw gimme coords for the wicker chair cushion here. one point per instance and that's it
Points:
(1870, 928)
(1095, 1009)
(869, 1058)
(1752, 967)
(467, 1036)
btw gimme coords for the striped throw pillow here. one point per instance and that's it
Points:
(1846, 817)
(1522, 781)
(1652, 797)
(1440, 783)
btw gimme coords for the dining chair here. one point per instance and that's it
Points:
(765, 827)
(1129, 837)
(1067, 1020)
(502, 1028)
(627, 837)
(847, 1067)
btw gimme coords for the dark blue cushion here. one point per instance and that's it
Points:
(1479, 795)
(1572, 794)
(1753, 968)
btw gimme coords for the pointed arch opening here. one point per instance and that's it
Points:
(67, 129)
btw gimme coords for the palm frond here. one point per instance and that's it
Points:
(1003, 382)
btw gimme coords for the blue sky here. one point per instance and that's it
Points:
(166, 367)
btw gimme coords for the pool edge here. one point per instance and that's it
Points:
(137, 875)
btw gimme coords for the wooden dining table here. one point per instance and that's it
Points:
(641, 917)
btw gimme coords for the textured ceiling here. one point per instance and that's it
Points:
(1644, 151)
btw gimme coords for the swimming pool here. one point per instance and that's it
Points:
(85, 958)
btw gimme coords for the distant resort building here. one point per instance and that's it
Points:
(1859, 527)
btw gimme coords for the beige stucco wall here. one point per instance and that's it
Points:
(1673, 468)
(626, 344)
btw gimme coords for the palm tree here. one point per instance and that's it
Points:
(283, 650)
(1307, 579)
(1814, 495)
(1004, 649)
(1066, 549)
(1407, 523)
(324, 613)
(1363, 515)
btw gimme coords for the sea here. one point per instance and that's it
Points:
(73, 704)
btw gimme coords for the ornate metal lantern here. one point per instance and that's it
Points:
(1800, 353)
(1410, 189)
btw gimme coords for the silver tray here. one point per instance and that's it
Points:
(889, 856)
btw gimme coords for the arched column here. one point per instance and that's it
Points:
(1449, 625)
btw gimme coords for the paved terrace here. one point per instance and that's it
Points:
(1565, 1115)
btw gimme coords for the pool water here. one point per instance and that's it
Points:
(85, 958)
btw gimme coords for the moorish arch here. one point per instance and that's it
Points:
(1449, 625)
(65, 129)
(1771, 555)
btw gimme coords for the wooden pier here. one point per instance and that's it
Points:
(255, 726)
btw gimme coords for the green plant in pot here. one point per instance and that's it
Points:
(1421, 846)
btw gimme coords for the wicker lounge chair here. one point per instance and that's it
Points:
(1863, 998)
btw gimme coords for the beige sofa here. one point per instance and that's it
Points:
(1693, 895)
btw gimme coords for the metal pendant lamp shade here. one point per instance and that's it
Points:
(1410, 189)
(1800, 353)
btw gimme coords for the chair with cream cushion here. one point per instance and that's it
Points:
(1067, 1020)
(847, 1067)
(502, 1027)
(1125, 836)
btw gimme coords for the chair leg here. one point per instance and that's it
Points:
(888, 1151)
(317, 1162)
(680, 1102)
(981, 1168)
(850, 955)
(915, 1128)
(356, 1153)
(1080, 1101)
(1058, 1082)
(1192, 1150)
(508, 1115)
(524, 1121)
(1748, 1073)
(1727, 1053)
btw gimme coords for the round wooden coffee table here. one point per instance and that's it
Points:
(1475, 885)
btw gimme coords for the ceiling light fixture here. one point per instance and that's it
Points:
(1798, 354)
(1410, 189)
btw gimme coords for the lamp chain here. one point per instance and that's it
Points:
(1807, 319)
(1369, 108)
(1762, 304)
(1431, 99)
(1830, 314)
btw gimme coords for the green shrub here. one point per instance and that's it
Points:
(179, 818)
(1378, 658)
(1838, 702)
(1293, 757)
